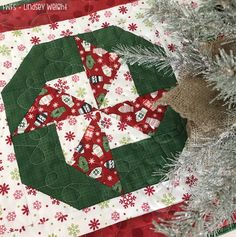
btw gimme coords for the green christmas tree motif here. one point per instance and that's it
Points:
(73, 230)
(90, 61)
(15, 174)
(168, 199)
(17, 33)
(4, 50)
(104, 204)
(81, 92)
(83, 164)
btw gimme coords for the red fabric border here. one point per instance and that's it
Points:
(137, 227)
(20, 18)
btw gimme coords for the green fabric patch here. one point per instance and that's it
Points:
(39, 155)
(137, 162)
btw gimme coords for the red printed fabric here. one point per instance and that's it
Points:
(143, 114)
(51, 106)
(101, 68)
(23, 17)
(141, 226)
(93, 156)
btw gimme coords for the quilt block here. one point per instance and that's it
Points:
(124, 141)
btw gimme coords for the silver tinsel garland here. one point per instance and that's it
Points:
(196, 29)
(213, 198)
(203, 32)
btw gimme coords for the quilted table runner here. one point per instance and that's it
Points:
(81, 131)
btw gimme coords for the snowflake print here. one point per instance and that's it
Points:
(35, 40)
(168, 199)
(11, 216)
(2, 83)
(1, 167)
(157, 33)
(4, 50)
(70, 136)
(94, 224)
(37, 205)
(145, 207)
(55, 201)
(128, 76)
(8, 140)
(110, 138)
(25, 210)
(149, 190)
(171, 47)
(11, 157)
(128, 200)
(119, 90)
(73, 230)
(75, 78)
(53, 26)
(132, 27)
(194, 4)
(191, 180)
(94, 17)
(88, 116)
(104, 204)
(3, 229)
(125, 140)
(43, 221)
(15, 174)
(4, 188)
(59, 125)
(122, 126)
(51, 36)
(7, 64)
(123, 10)
(107, 14)
(60, 217)
(21, 47)
(31, 191)
(105, 24)
(115, 216)
(186, 197)
(72, 21)
(86, 210)
(72, 120)
(18, 194)
(66, 33)
(106, 122)
(81, 92)
(2, 108)
(61, 85)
